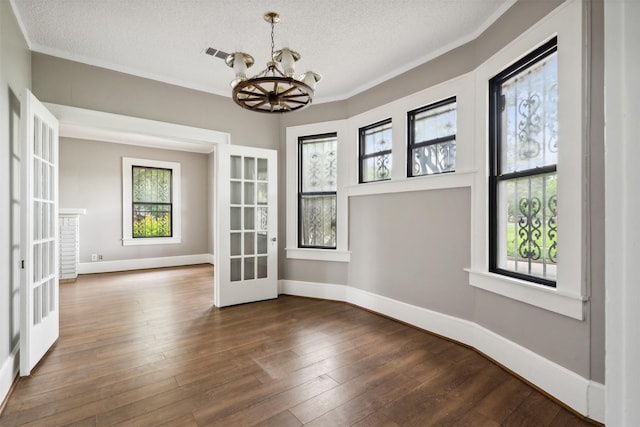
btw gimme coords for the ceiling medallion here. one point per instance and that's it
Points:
(274, 89)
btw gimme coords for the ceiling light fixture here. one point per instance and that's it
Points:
(274, 89)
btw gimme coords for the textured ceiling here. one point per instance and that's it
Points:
(354, 44)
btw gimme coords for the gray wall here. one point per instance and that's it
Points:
(577, 345)
(405, 230)
(60, 81)
(15, 74)
(79, 85)
(91, 177)
(413, 247)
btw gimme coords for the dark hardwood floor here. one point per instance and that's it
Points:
(148, 348)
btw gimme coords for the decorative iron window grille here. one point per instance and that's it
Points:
(152, 204)
(317, 191)
(523, 198)
(432, 139)
(375, 152)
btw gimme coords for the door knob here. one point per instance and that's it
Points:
(273, 239)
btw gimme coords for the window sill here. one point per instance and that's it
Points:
(419, 183)
(319, 254)
(552, 299)
(151, 241)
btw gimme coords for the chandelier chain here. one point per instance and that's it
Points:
(272, 42)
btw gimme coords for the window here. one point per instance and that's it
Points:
(317, 191)
(523, 182)
(432, 139)
(151, 194)
(375, 152)
(151, 202)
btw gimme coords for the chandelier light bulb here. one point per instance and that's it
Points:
(287, 59)
(310, 78)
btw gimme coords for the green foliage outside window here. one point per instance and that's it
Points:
(151, 202)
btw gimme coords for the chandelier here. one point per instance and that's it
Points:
(274, 89)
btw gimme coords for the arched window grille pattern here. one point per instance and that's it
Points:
(317, 191)
(432, 139)
(375, 152)
(523, 184)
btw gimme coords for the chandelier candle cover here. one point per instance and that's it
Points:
(274, 89)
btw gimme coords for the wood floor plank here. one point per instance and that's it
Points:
(147, 348)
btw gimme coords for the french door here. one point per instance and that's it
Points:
(246, 228)
(39, 229)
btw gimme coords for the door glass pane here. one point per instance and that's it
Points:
(262, 267)
(236, 218)
(236, 248)
(236, 193)
(52, 293)
(249, 168)
(262, 170)
(262, 242)
(249, 268)
(236, 167)
(249, 193)
(262, 193)
(249, 219)
(261, 219)
(236, 269)
(249, 243)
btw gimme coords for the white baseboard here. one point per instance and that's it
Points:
(312, 290)
(596, 399)
(142, 263)
(584, 396)
(8, 372)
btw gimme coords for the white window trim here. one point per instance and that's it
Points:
(569, 295)
(127, 239)
(462, 89)
(341, 253)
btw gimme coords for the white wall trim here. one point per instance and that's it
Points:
(565, 22)
(341, 252)
(94, 125)
(622, 201)
(318, 254)
(584, 396)
(312, 290)
(441, 181)
(127, 202)
(143, 263)
(8, 372)
(72, 211)
(596, 401)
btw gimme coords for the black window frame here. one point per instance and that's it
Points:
(301, 194)
(361, 151)
(496, 104)
(133, 203)
(412, 145)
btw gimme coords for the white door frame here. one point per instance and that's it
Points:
(622, 204)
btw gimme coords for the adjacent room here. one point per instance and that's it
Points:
(318, 213)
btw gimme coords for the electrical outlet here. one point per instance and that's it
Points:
(94, 257)
(99, 257)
